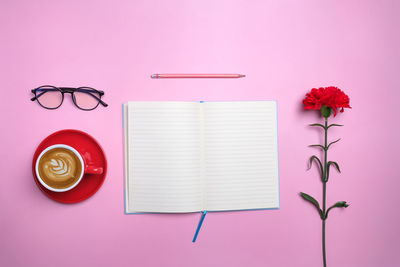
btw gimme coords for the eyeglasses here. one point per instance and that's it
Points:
(52, 97)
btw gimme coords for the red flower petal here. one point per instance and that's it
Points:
(330, 96)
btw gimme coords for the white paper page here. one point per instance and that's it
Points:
(241, 159)
(163, 158)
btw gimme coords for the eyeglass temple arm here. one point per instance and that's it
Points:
(33, 98)
(36, 96)
(103, 103)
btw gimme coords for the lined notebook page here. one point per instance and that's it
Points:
(241, 168)
(163, 144)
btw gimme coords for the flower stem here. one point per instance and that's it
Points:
(324, 180)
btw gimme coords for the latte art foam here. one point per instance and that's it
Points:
(59, 168)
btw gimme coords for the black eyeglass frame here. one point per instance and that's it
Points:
(70, 90)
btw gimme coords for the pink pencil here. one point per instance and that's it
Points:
(161, 76)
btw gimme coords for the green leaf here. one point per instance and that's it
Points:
(317, 124)
(334, 125)
(326, 111)
(332, 143)
(334, 164)
(319, 163)
(328, 168)
(321, 146)
(339, 204)
(314, 202)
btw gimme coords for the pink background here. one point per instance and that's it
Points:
(284, 47)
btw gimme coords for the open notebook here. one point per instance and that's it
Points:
(195, 156)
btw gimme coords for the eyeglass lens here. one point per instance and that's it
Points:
(49, 97)
(86, 98)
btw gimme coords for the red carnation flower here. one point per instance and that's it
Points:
(331, 97)
(325, 99)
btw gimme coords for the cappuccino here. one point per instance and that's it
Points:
(59, 168)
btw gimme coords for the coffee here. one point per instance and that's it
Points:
(59, 168)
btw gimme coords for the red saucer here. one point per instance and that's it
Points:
(85, 144)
